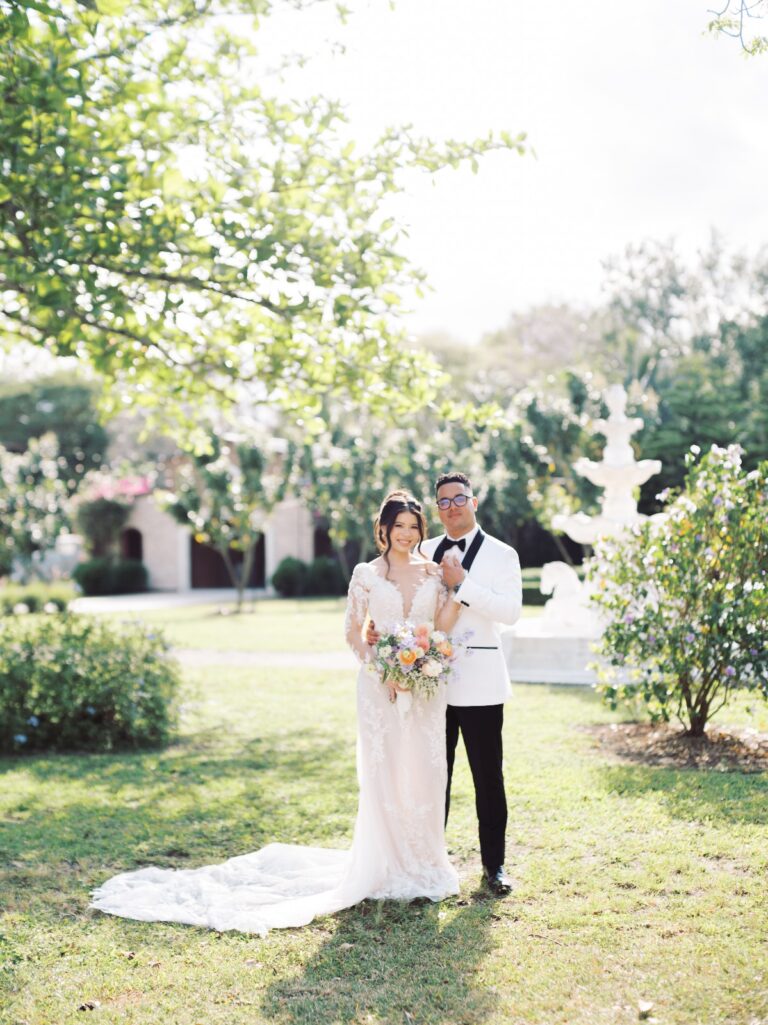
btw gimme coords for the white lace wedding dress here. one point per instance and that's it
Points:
(398, 850)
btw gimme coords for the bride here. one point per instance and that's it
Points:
(398, 849)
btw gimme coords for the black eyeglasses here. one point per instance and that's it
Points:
(458, 500)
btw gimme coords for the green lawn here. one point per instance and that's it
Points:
(632, 883)
(307, 624)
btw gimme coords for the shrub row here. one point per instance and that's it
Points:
(35, 597)
(111, 576)
(73, 682)
(294, 578)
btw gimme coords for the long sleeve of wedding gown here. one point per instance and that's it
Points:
(357, 611)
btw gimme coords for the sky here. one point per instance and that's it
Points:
(643, 126)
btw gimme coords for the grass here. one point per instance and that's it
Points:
(632, 883)
(268, 625)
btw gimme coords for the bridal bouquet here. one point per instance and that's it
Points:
(416, 658)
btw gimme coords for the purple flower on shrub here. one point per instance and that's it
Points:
(20, 738)
(90, 710)
(717, 500)
(754, 651)
(699, 537)
(629, 618)
(730, 671)
(33, 721)
(689, 638)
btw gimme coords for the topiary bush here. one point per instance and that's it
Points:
(129, 576)
(100, 522)
(73, 682)
(324, 577)
(686, 596)
(290, 577)
(111, 576)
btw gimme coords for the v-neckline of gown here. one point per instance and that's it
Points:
(393, 583)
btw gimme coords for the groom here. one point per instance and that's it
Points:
(483, 575)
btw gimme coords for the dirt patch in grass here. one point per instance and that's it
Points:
(725, 750)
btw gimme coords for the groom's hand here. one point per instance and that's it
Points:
(372, 635)
(452, 570)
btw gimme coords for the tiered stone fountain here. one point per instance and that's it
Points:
(556, 646)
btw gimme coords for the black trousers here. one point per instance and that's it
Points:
(480, 726)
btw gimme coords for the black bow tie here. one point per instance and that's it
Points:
(462, 544)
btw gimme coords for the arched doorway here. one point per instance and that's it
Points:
(209, 570)
(132, 544)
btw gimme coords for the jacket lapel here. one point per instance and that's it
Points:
(474, 548)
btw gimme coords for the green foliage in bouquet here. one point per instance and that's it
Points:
(74, 683)
(686, 596)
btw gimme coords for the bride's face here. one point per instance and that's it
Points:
(405, 532)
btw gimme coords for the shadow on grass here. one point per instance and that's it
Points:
(396, 963)
(181, 807)
(694, 794)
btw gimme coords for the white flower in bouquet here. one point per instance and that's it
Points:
(416, 658)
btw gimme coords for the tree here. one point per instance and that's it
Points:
(346, 471)
(686, 597)
(734, 20)
(165, 218)
(226, 496)
(63, 405)
(34, 502)
(689, 341)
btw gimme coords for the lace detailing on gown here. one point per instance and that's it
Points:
(398, 850)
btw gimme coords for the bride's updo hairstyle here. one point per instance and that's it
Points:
(395, 503)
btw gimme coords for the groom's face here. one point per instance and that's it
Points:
(457, 520)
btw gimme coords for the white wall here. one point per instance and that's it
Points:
(165, 545)
(289, 531)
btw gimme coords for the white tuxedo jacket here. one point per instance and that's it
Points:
(491, 594)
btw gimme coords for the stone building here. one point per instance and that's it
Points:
(175, 561)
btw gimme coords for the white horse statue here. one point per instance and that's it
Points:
(567, 611)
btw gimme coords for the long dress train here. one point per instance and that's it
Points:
(398, 848)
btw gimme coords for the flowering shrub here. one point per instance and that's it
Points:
(34, 502)
(686, 596)
(37, 597)
(72, 682)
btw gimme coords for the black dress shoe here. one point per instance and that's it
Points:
(497, 881)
